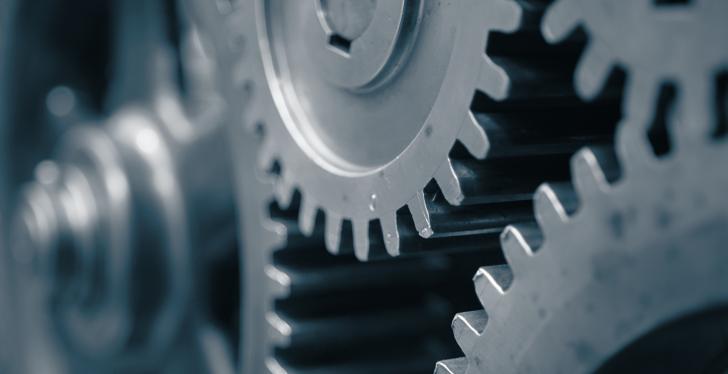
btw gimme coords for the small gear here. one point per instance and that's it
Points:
(656, 42)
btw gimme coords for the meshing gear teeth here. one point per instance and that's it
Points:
(329, 314)
(367, 123)
(276, 246)
(635, 243)
(656, 44)
(637, 253)
(347, 189)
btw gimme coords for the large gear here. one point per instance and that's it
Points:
(585, 285)
(657, 43)
(619, 271)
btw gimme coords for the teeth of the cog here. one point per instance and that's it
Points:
(638, 36)
(511, 105)
(579, 282)
(332, 314)
(621, 229)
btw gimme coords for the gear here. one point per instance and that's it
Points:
(616, 275)
(303, 295)
(655, 42)
(336, 131)
(629, 261)
(336, 126)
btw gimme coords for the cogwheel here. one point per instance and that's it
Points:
(562, 307)
(331, 86)
(656, 42)
(365, 104)
(330, 90)
(617, 275)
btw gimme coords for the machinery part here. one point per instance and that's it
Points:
(658, 42)
(347, 146)
(309, 311)
(356, 307)
(76, 225)
(327, 82)
(625, 280)
(121, 230)
(294, 291)
(620, 271)
(27, 134)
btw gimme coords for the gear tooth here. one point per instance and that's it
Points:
(467, 328)
(593, 70)
(493, 80)
(505, 16)
(420, 214)
(307, 215)
(491, 282)
(452, 366)
(333, 232)
(274, 367)
(632, 144)
(588, 175)
(560, 19)
(516, 245)
(550, 211)
(691, 122)
(361, 239)
(641, 93)
(390, 233)
(473, 137)
(283, 191)
(279, 282)
(449, 183)
(280, 331)
(280, 233)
